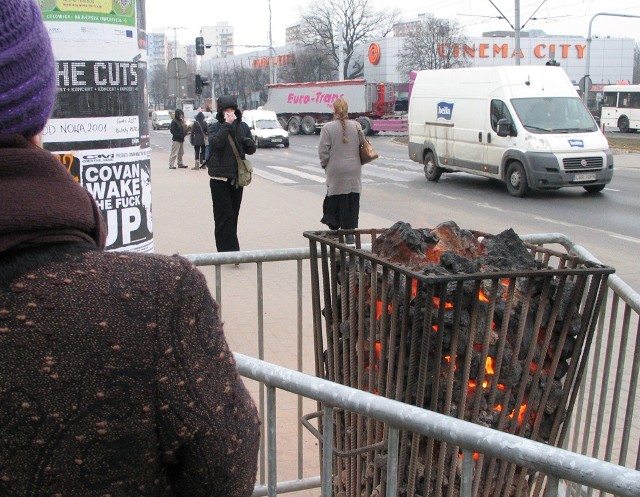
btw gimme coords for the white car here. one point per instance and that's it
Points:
(190, 117)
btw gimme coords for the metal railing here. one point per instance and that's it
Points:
(602, 425)
(471, 438)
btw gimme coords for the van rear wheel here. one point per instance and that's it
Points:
(517, 180)
(431, 170)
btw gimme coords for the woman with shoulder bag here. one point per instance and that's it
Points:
(339, 152)
(226, 195)
(198, 140)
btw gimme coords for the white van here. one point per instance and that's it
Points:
(523, 125)
(160, 119)
(265, 128)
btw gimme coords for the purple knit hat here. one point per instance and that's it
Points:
(27, 69)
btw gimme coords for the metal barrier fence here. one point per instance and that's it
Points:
(602, 425)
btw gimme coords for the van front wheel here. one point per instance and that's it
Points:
(517, 180)
(431, 170)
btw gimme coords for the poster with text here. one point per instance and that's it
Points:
(95, 11)
(120, 182)
(99, 124)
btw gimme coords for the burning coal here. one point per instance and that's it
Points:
(475, 326)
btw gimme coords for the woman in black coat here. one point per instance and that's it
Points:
(198, 139)
(226, 195)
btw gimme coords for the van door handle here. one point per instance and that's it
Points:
(488, 137)
(480, 136)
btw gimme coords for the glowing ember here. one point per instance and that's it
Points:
(436, 303)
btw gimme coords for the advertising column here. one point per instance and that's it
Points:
(99, 128)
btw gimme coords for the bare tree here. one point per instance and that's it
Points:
(636, 64)
(359, 22)
(158, 86)
(434, 44)
(309, 64)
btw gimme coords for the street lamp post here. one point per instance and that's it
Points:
(272, 76)
(588, 57)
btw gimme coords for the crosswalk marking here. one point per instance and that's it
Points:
(392, 174)
(295, 172)
(314, 169)
(371, 173)
(273, 177)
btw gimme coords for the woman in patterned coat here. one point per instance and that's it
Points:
(116, 378)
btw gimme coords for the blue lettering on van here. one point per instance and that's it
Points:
(445, 110)
(576, 143)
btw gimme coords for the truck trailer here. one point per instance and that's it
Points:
(306, 107)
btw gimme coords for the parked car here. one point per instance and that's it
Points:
(160, 119)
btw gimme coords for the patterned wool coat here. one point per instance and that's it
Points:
(116, 378)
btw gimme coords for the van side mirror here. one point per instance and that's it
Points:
(505, 128)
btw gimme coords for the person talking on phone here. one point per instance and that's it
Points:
(226, 195)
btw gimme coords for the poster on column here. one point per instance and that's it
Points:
(120, 182)
(99, 125)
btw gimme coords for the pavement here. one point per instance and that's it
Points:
(271, 217)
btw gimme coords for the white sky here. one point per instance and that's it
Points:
(250, 18)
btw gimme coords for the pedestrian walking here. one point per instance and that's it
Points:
(178, 130)
(198, 140)
(339, 152)
(226, 195)
(116, 377)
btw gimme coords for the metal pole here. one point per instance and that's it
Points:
(175, 50)
(271, 66)
(340, 53)
(516, 23)
(588, 57)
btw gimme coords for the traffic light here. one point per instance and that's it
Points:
(199, 45)
(200, 82)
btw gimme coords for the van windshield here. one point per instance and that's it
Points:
(267, 124)
(554, 115)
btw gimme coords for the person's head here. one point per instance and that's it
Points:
(178, 114)
(27, 69)
(340, 108)
(200, 116)
(227, 103)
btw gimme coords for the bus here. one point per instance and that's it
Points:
(621, 107)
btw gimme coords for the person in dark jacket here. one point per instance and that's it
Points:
(178, 131)
(116, 378)
(226, 195)
(198, 139)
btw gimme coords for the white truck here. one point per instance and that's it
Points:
(306, 107)
(523, 125)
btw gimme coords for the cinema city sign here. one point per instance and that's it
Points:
(504, 51)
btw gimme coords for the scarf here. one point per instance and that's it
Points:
(40, 202)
